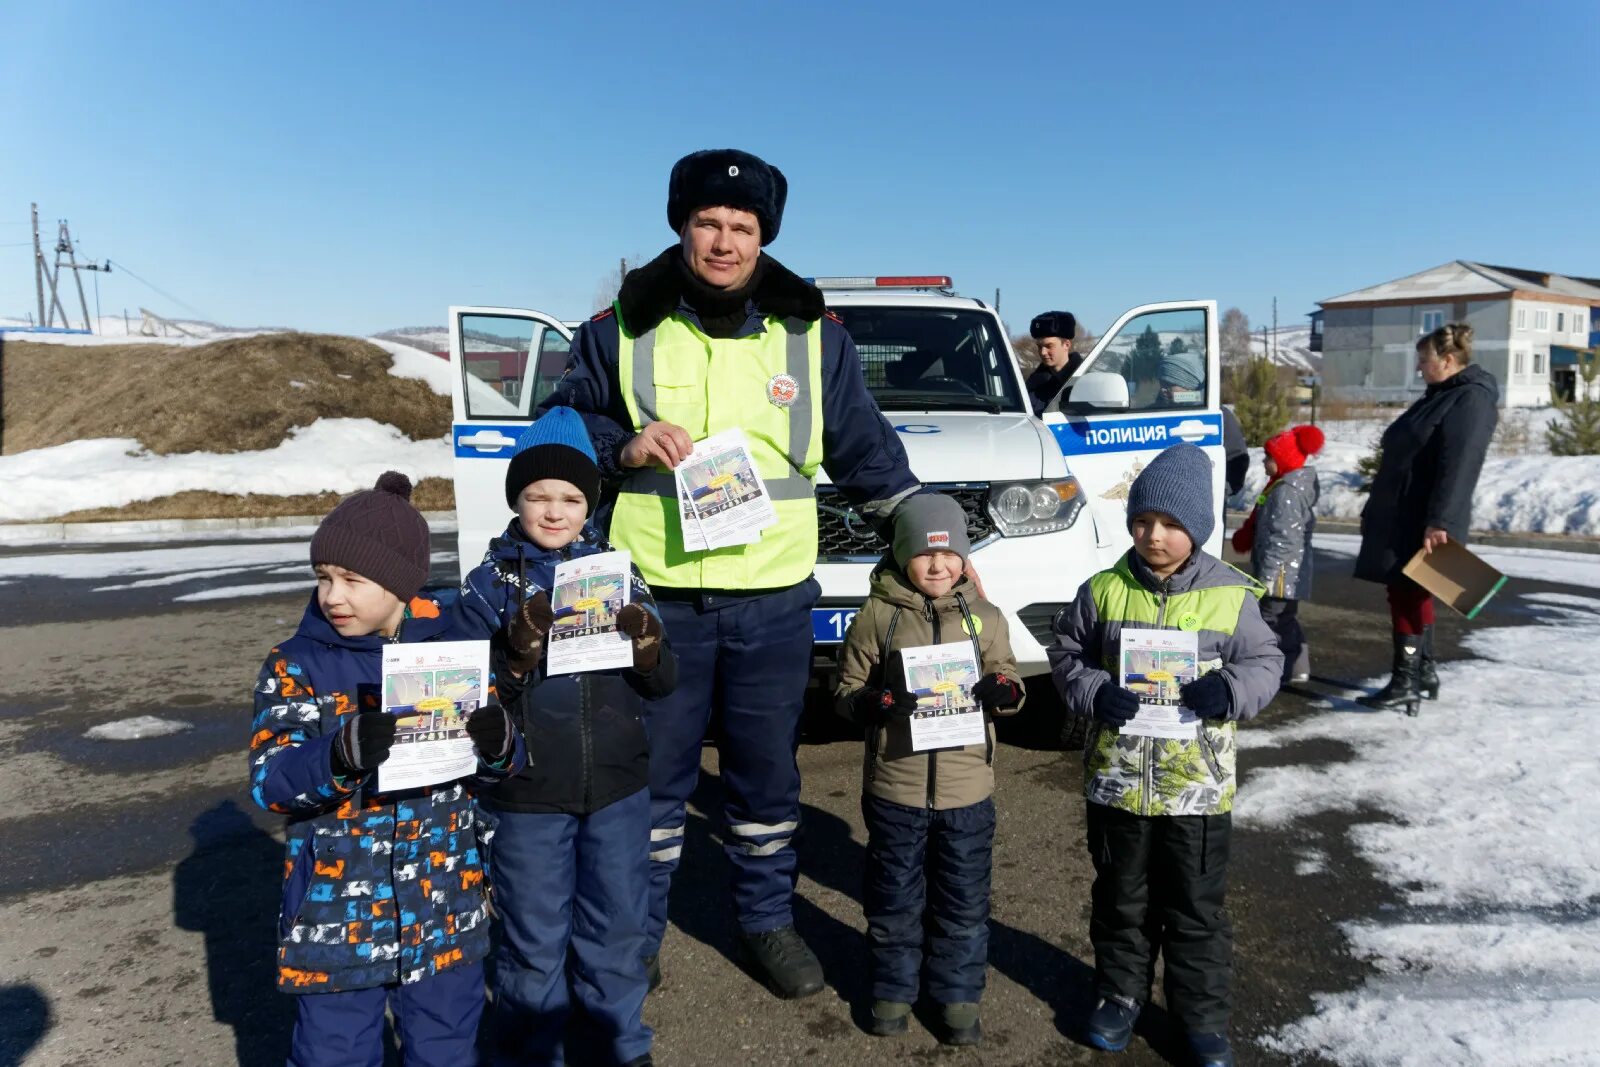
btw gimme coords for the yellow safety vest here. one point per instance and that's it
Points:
(675, 373)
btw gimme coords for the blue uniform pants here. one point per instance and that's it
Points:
(436, 1020)
(927, 899)
(747, 660)
(570, 894)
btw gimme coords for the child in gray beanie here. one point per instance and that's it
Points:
(1159, 808)
(929, 811)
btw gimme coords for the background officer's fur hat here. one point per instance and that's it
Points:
(727, 177)
(1053, 324)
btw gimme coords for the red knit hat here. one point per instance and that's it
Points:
(1290, 449)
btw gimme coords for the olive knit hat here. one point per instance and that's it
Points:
(378, 534)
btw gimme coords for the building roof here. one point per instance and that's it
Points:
(1461, 279)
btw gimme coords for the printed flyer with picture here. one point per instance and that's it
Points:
(941, 677)
(721, 495)
(1156, 664)
(431, 688)
(589, 594)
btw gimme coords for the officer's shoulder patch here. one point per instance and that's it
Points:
(604, 313)
(834, 316)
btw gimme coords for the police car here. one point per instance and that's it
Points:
(1045, 498)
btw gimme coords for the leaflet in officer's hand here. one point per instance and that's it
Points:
(431, 688)
(941, 677)
(1155, 665)
(590, 592)
(721, 497)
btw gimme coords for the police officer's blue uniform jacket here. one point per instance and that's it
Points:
(861, 453)
(378, 888)
(588, 746)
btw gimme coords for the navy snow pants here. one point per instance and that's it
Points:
(927, 899)
(746, 659)
(436, 1020)
(1159, 885)
(570, 894)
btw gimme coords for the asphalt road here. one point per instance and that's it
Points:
(138, 902)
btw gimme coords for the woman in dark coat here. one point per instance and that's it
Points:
(1422, 497)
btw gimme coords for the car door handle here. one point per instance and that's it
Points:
(487, 441)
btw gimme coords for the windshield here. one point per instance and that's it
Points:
(931, 358)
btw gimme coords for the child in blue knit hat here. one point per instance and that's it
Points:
(571, 852)
(1160, 808)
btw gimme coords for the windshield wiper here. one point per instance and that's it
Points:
(910, 398)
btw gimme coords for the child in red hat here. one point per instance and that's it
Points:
(1278, 537)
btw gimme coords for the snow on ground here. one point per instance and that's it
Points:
(1477, 812)
(112, 330)
(412, 362)
(330, 455)
(194, 561)
(1530, 564)
(1289, 347)
(135, 729)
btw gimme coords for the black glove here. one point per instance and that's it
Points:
(490, 729)
(363, 742)
(526, 631)
(1114, 705)
(996, 691)
(1207, 696)
(644, 629)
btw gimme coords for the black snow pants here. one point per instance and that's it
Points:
(1159, 886)
(1283, 618)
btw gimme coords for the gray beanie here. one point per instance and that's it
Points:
(930, 522)
(1177, 483)
(1181, 370)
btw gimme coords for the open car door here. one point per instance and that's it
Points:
(504, 362)
(1152, 381)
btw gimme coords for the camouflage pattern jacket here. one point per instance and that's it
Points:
(378, 888)
(1160, 776)
(1280, 556)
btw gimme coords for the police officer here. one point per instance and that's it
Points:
(1053, 331)
(711, 335)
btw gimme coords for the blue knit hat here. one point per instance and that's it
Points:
(1177, 483)
(556, 445)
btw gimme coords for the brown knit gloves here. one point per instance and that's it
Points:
(526, 631)
(644, 629)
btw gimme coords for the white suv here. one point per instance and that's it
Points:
(1044, 498)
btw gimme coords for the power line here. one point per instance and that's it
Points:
(123, 267)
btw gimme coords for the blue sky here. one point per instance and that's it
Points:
(353, 166)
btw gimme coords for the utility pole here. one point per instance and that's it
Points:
(38, 263)
(1274, 324)
(997, 300)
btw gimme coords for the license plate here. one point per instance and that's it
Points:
(828, 625)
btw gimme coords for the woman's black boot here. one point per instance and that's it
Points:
(1402, 692)
(1428, 673)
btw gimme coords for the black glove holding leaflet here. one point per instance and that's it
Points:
(526, 631)
(996, 691)
(363, 742)
(1207, 696)
(1114, 705)
(490, 729)
(644, 629)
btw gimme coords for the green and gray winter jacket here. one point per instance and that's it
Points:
(1151, 775)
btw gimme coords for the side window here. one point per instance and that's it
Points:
(508, 364)
(1162, 356)
(1432, 320)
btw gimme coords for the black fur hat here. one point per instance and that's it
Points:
(727, 177)
(1053, 324)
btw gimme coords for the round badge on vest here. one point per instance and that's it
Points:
(782, 390)
(974, 629)
(1189, 621)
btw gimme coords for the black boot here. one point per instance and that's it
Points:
(781, 958)
(1401, 692)
(1428, 673)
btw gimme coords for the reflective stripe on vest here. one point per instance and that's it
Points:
(675, 373)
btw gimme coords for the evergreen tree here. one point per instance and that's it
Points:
(1144, 363)
(1258, 397)
(1577, 431)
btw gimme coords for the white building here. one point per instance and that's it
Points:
(1520, 320)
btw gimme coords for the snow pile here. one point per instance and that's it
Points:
(135, 729)
(1486, 832)
(112, 330)
(331, 455)
(195, 561)
(410, 362)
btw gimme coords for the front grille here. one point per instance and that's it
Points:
(843, 536)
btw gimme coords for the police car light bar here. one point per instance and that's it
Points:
(905, 281)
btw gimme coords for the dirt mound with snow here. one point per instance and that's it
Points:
(238, 395)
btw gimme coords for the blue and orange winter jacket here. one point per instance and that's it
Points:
(377, 888)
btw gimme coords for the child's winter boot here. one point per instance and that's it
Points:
(1402, 690)
(1428, 678)
(1211, 1050)
(889, 1018)
(961, 1025)
(1300, 669)
(1111, 1024)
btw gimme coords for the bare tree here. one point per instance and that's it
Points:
(1235, 337)
(605, 290)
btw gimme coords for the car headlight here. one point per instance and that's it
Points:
(1022, 508)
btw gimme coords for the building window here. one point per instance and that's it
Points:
(1538, 363)
(1522, 318)
(1432, 320)
(1520, 365)
(1541, 320)
(1561, 322)
(1579, 322)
